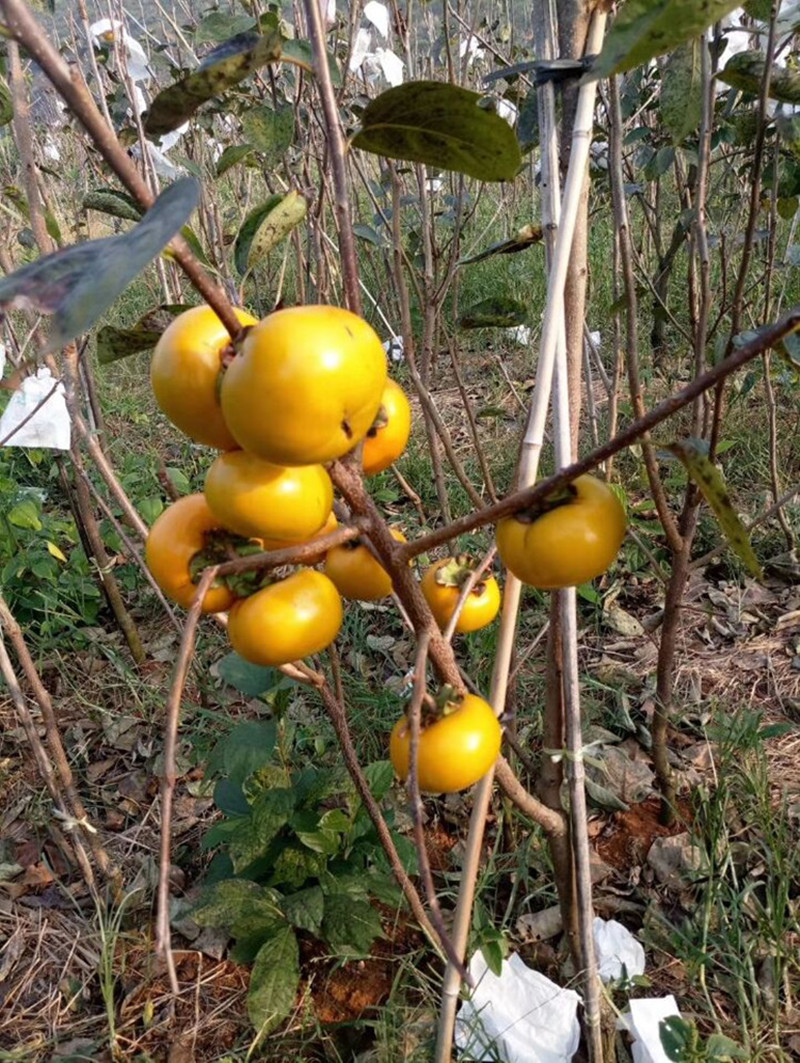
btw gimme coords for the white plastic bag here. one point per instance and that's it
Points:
(643, 1021)
(521, 1015)
(614, 946)
(49, 427)
(378, 15)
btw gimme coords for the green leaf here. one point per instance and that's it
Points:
(274, 981)
(745, 71)
(244, 750)
(498, 311)
(603, 797)
(112, 201)
(441, 125)
(644, 29)
(300, 53)
(527, 236)
(758, 9)
(247, 678)
(115, 343)
(179, 479)
(230, 156)
(380, 777)
(295, 866)
(221, 25)
(712, 485)
(269, 131)
(25, 514)
(305, 909)
(223, 68)
(350, 926)
(52, 226)
(78, 284)
(150, 509)
(681, 91)
(266, 226)
(722, 1048)
(238, 905)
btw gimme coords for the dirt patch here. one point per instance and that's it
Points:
(625, 839)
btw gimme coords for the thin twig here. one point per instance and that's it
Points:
(338, 717)
(169, 778)
(41, 757)
(56, 746)
(769, 337)
(466, 590)
(333, 133)
(414, 713)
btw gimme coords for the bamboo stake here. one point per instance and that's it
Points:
(552, 335)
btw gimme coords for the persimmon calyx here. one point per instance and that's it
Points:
(456, 573)
(560, 496)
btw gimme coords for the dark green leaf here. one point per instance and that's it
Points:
(274, 981)
(494, 953)
(230, 156)
(114, 343)
(659, 163)
(270, 132)
(644, 29)
(677, 1037)
(305, 909)
(441, 125)
(223, 68)
(528, 123)
(498, 311)
(247, 678)
(229, 798)
(350, 926)
(527, 236)
(788, 127)
(265, 227)
(244, 750)
(366, 232)
(111, 201)
(692, 454)
(681, 92)
(745, 71)
(759, 9)
(78, 284)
